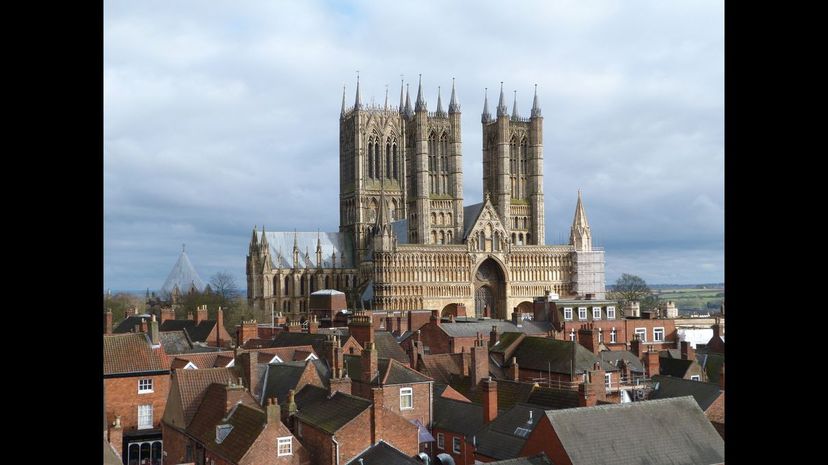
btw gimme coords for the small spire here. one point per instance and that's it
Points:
(536, 111)
(342, 112)
(408, 110)
(318, 241)
(580, 235)
(501, 105)
(402, 85)
(386, 97)
(357, 101)
(295, 241)
(514, 108)
(486, 117)
(454, 107)
(421, 104)
(439, 103)
(264, 237)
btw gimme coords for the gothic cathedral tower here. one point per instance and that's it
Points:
(513, 168)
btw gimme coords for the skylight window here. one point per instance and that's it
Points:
(522, 432)
(222, 431)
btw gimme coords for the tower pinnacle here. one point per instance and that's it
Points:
(421, 104)
(501, 105)
(536, 111)
(486, 116)
(454, 107)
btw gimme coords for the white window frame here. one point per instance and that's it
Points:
(610, 313)
(406, 392)
(455, 445)
(596, 313)
(582, 313)
(568, 310)
(441, 441)
(607, 381)
(641, 332)
(613, 336)
(572, 335)
(145, 389)
(656, 339)
(288, 440)
(142, 417)
(600, 335)
(695, 378)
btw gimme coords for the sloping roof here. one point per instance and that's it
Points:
(192, 384)
(456, 416)
(196, 332)
(110, 456)
(175, 342)
(667, 387)
(540, 459)
(470, 214)
(285, 339)
(388, 347)
(674, 366)
(207, 359)
(618, 429)
(131, 353)
(308, 395)
(501, 438)
(400, 229)
(184, 276)
(611, 358)
(282, 377)
(470, 328)
(281, 248)
(127, 325)
(329, 415)
(509, 392)
(442, 366)
(285, 354)
(382, 453)
(551, 398)
(544, 354)
(390, 371)
(712, 364)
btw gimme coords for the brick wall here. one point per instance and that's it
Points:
(175, 444)
(353, 438)
(544, 439)
(466, 455)
(122, 399)
(422, 401)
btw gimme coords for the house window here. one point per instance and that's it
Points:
(568, 313)
(600, 335)
(582, 313)
(441, 440)
(610, 313)
(144, 385)
(613, 335)
(144, 416)
(571, 334)
(695, 378)
(455, 445)
(596, 313)
(658, 334)
(406, 398)
(608, 381)
(641, 333)
(285, 446)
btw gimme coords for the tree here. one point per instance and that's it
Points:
(224, 285)
(632, 288)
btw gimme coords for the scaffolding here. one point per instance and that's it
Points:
(589, 273)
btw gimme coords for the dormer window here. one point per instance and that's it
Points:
(568, 313)
(222, 431)
(582, 313)
(596, 313)
(610, 313)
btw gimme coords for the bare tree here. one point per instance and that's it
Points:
(630, 288)
(224, 284)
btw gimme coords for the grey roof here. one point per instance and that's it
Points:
(667, 387)
(281, 248)
(457, 416)
(472, 327)
(391, 370)
(712, 364)
(470, 213)
(674, 366)
(500, 439)
(175, 342)
(280, 378)
(127, 325)
(544, 354)
(610, 360)
(329, 415)
(383, 454)
(551, 398)
(184, 276)
(196, 332)
(388, 347)
(540, 459)
(308, 395)
(327, 292)
(685, 435)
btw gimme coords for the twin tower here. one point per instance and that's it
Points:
(405, 163)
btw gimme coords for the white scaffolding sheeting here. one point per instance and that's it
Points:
(589, 277)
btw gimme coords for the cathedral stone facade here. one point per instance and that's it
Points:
(407, 242)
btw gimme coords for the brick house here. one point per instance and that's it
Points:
(540, 359)
(709, 396)
(455, 422)
(685, 367)
(383, 453)
(136, 375)
(627, 434)
(201, 329)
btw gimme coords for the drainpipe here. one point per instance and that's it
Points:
(337, 449)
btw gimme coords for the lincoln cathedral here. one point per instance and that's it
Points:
(406, 241)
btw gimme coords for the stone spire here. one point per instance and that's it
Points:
(486, 116)
(501, 105)
(402, 102)
(408, 111)
(342, 112)
(580, 235)
(454, 107)
(318, 250)
(264, 239)
(357, 101)
(254, 241)
(386, 97)
(295, 250)
(421, 104)
(439, 103)
(536, 111)
(514, 108)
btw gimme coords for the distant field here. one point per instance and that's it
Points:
(693, 299)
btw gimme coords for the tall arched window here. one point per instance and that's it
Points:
(433, 237)
(444, 168)
(370, 159)
(388, 159)
(396, 162)
(523, 167)
(442, 237)
(312, 280)
(287, 282)
(432, 162)
(377, 161)
(302, 285)
(327, 282)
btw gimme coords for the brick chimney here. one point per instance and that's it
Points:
(716, 330)
(479, 369)
(687, 351)
(219, 326)
(376, 415)
(369, 362)
(189, 315)
(201, 314)
(313, 325)
(513, 372)
(108, 321)
(464, 362)
(143, 326)
(461, 309)
(274, 411)
(249, 361)
(294, 325)
(635, 347)
(435, 317)
(361, 327)
(586, 391)
(246, 331)
(493, 335)
(489, 399)
(155, 337)
(651, 363)
(167, 313)
(416, 351)
(588, 338)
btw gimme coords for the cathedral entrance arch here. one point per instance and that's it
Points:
(489, 290)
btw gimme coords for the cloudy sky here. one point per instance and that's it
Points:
(219, 116)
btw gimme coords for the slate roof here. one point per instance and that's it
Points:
(281, 248)
(500, 440)
(280, 378)
(127, 325)
(329, 415)
(192, 384)
(388, 347)
(610, 360)
(470, 328)
(442, 366)
(196, 332)
(674, 366)
(669, 387)
(619, 430)
(183, 275)
(456, 416)
(383, 454)
(509, 392)
(390, 371)
(308, 395)
(711, 363)
(540, 459)
(555, 399)
(542, 354)
(470, 214)
(175, 342)
(131, 353)
(285, 339)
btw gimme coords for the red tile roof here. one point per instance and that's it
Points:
(205, 359)
(132, 353)
(192, 384)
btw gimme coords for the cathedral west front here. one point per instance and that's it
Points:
(406, 241)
